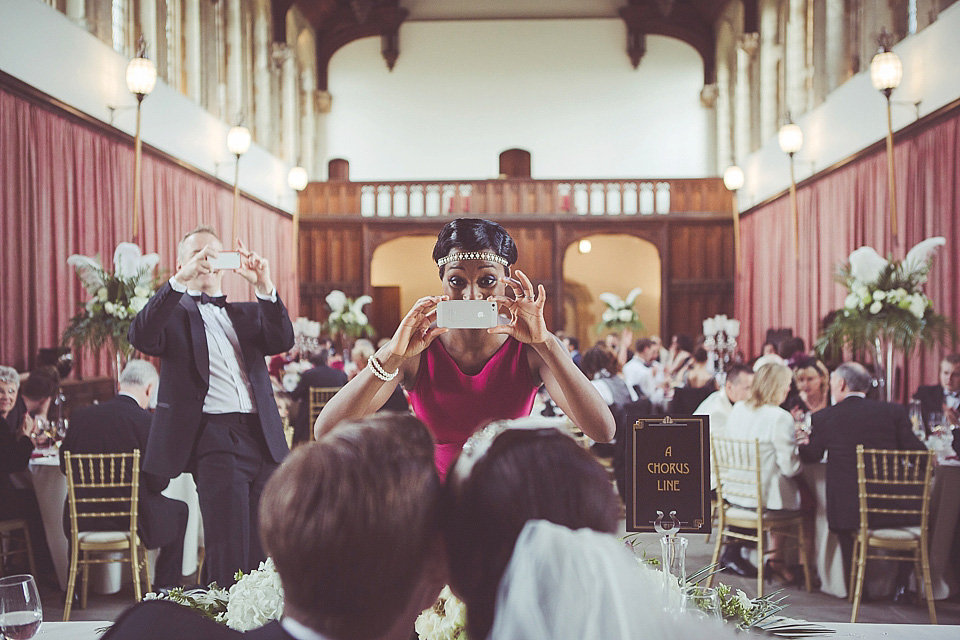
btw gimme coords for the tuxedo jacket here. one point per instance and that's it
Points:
(931, 400)
(171, 327)
(162, 620)
(838, 430)
(119, 425)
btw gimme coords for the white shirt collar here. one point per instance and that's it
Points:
(300, 631)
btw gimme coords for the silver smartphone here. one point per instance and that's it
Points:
(467, 314)
(226, 260)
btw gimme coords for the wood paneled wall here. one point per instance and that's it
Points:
(696, 253)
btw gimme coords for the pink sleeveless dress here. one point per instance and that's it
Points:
(453, 405)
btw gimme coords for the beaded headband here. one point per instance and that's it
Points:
(473, 255)
(479, 443)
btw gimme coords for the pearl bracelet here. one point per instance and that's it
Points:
(379, 371)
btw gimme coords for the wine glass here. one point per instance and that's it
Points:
(916, 418)
(20, 609)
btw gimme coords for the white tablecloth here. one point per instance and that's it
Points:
(892, 631)
(82, 630)
(944, 512)
(50, 486)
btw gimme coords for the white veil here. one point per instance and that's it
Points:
(562, 584)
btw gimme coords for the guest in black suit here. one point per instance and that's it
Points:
(321, 375)
(216, 416)
(943, 397)
(838, 429)
(121, 425)
(352, 523)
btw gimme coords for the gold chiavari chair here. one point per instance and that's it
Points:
(893, 484)
(102, 489)
(15, 541)
(737, 468)
(319, 397)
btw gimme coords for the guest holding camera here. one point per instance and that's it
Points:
(461, 379)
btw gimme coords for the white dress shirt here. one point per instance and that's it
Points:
(779, 459)
(300, 631)
(718, 406)
(229, 390)
(638, 373)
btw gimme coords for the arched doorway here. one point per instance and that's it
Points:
(401, 272)
(616, 263)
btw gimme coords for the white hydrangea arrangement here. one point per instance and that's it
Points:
(115, 298)
(620, 313)
(446, 620)
(253, 601)
(885, 300)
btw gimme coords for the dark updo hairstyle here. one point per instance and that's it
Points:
(599, 358)
(684, 342)
(527, 474)
(474, 234)
(42, 383)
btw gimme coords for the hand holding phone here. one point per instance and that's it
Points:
(225, 261)
(467, 314)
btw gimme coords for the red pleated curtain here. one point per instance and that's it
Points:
(845, 209)
(66, 187)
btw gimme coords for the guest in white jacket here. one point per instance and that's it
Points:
(760, 418)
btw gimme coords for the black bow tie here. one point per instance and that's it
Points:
(220, 301)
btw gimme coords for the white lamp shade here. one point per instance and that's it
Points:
(141, 76)
(238, 140)
(733, 178)
(585, 246)
(790, 138)
(886, 71)
(298, 178)
(733, 328)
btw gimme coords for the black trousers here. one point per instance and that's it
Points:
(232, 467)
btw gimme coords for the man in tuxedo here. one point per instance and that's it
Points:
(838, 429)
(944, 397)
(641, 373)
(321, 375)
(121, 425)
(352, 523)
(216, 416)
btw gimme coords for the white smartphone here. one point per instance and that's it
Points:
(226, 260)
(467, 314)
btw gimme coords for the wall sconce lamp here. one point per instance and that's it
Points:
(886, 72)
(733, 181)
(238, 142)
(584, 246)
(790, 138)
(141, 79)
(297, 180)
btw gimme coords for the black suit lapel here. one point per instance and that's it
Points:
(198, 338)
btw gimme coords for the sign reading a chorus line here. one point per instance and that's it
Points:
(668, 471)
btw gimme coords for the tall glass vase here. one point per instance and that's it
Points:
(883, 362)
(673, 551)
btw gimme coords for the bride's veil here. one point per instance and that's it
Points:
(562, 584)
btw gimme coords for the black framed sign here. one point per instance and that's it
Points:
(668, 470)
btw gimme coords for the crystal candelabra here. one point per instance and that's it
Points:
(307, 334)
(720, 335)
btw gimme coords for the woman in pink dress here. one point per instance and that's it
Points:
(459, 380)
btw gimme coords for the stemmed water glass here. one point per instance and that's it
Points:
(20, 609)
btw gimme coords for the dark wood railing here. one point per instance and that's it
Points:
(593, 197)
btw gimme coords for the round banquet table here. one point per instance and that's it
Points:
(50, 486)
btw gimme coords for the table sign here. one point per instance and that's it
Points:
(668, 472)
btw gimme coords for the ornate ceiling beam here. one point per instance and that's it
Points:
(676, 20)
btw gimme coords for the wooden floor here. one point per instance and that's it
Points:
(814, 606)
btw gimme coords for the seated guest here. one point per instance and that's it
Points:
(321, 375)
(642, 373)
(573, 348)
(718, 406)
(36, 392)
(944, 397)
(760, 418)
(532, 547)
(600, 366)
(352, 523)
(813, 383)
(853, 419)
(121, 425)
(361, 352)
(698, 383)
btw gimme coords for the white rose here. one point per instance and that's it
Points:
(876, 307)
(918, 305)
(609, 315)
(852, 301)
(625, 315)
(102, 293)
(138, 303)
(141, 291)
(879, 295)
(109, 307)
(745, 601)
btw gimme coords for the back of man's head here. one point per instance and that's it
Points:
(855, 375)
(41, 384)
(350, 522)
(642, 345)
(319, 359)
(138, 374)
